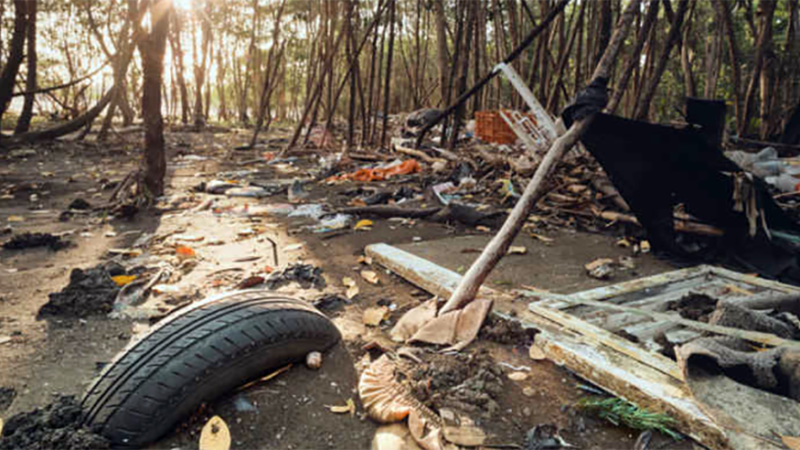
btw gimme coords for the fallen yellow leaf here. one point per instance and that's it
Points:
(350, 407)
(16, 219)
(517, 376)
(352, 291)
(536, 353)
(349, 282)
(517, 250)
(365, 260)
(122, 280)
(370, 276)
(364, 224)
(791, 441)
(215, 435)
(374, 316)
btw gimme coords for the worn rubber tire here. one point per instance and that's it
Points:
(196, 355)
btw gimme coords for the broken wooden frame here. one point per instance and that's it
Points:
(576, 336)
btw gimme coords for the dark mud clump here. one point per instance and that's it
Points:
(7, 396)
(56, 425)
(694, 306)
(470, 383)
(509, 332)
(33, 240)
(89, 292)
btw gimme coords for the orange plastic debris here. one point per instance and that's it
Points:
(380, 174)
(184, 251)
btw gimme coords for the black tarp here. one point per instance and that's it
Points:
(657, 167)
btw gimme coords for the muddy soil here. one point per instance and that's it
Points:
(90, 292)
(694, 306)
(55, 425)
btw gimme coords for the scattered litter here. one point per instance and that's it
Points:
(122, 280)
(337, 222)
(220, 186)
(364, 224)
(296, 192)
(515, 368)
(250, 191)
(601, 268)
(306, 275)
(381, 173)
(311, 210)
(350, 407)
(314, 360)
(544, 437)
(249, 282)
(365, 260)
(187, 238)
(293, 247)
(536, 353)
(242, 404)
(215, 435)
(517, 250)
(32, 240)
(374, 316)
(352, 288)
(184, 252)
(792, 442)
(370, 276)
(517, 376)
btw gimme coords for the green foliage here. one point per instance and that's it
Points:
(620, 412)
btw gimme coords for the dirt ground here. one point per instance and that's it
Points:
(42, 358)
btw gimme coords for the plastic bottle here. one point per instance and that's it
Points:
(785, 183)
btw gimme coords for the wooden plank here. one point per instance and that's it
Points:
(597, 334)
(420, 272)
(752, 336)
(633, 381)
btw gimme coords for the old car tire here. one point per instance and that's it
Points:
(197, 354)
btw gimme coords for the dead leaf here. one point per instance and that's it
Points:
(188, 238)
(791, 441)
(350, 407)
(374, 316)
(5, 339)
(250, 282)
(541, 238)
(536, 353)
(365, 260)
(16, 219)
(413, 320)
(517, 376)
(266, 377)
(364, 224)
(623, 243)
(517, 250)
(644, 246)
(352, 291)
(597, 263)
(215, 435)
(465, 435)
(370, 276)
(483, 229)
(122, 280)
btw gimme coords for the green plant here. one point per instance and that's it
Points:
(622, 412)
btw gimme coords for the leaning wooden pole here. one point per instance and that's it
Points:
(498, 246)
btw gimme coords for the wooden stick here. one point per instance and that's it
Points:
(498, 246)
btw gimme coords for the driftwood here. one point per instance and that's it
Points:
(453, 212)
(498, 246)
(63, 129)
(417, 154)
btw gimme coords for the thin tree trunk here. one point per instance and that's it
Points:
(635, 56)
(152, 49)
(15, 56)
(387, 86)
(24, 121)
(643, 108)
